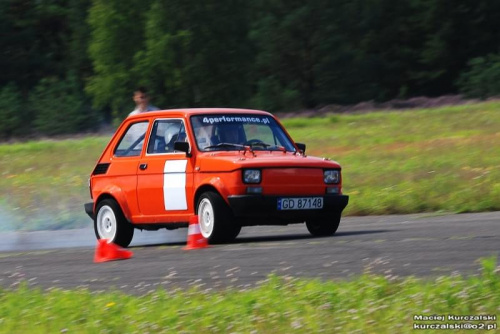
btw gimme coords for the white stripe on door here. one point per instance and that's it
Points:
(174, 185)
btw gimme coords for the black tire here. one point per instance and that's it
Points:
(216, 220)
(323, 227)
(233, 231)
(111, 224)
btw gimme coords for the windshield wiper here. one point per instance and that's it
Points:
(259, 144)
(279, 148)
(267, 146)
(223, 145)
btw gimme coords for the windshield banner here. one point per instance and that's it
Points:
(236, 119)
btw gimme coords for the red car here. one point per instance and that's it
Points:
(231, 167)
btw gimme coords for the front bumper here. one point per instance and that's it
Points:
(89, 209)
(266, 208)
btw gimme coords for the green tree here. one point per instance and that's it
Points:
(346, 52)
(45, 39)
(482, 78)
(273, 54)
(39, 37)
(60, 107)
(166, 63)
(186, 52)
(452, 33)
(11, 112)
(331, 51)
(116, 35)
(382, 40)
(77, 57)
(287, 36)
(196, 54)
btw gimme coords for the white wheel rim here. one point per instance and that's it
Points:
(206, 217)
(106, 223)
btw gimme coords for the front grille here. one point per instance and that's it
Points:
(101, 169)
(293, 181)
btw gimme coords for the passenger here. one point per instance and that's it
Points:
(204, 136)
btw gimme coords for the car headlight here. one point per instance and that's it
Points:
(251, 176)
(331, 176)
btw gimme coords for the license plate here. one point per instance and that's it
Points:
(300, 203)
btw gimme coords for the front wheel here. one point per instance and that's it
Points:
(111, 224)
(216, 220)
(323, 227)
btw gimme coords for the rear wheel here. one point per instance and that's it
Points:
(111, 224)
(323, 227)
(216, 220)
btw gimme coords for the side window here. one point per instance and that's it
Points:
(165, 133)
(132, 141)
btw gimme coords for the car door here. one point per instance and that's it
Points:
(125, 160)
(165, 179)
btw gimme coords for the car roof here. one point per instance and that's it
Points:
(187, 112)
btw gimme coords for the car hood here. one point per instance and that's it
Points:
(228, 161)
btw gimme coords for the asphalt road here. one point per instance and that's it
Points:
(420, 245)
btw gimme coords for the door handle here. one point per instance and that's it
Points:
(143, 166)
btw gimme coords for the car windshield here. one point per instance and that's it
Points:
(235, 132)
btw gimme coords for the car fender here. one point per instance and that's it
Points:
(213, 182)
(119, 195)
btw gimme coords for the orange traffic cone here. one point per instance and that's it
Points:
(195, 238)
(108, 251)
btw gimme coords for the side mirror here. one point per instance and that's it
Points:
(182, 146)
(302, 147)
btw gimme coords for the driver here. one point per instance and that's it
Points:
(231, 133)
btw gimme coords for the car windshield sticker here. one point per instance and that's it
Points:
(234, 119)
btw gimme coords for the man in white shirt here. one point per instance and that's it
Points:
(141, 100)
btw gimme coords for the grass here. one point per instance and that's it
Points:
(43, 184)
(443, 159)
(431, 160)
(367, 304)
